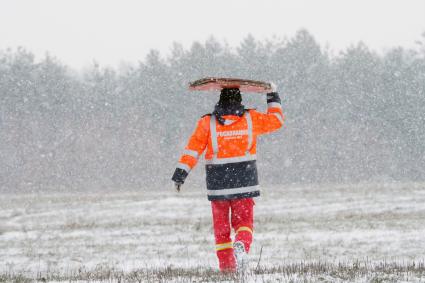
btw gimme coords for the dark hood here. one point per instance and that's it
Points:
(236, 109)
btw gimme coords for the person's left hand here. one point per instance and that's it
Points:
(273, 87)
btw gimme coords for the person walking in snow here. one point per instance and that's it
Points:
(229, 137)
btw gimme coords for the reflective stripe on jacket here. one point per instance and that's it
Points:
(231, 170)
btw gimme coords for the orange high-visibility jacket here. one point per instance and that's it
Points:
(231, 170)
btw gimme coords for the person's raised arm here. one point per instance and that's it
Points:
(273, 119)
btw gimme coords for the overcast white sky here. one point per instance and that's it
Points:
(110, 31)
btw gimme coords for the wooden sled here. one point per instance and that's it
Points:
(217, 84)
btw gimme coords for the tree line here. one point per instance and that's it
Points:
(357, 116)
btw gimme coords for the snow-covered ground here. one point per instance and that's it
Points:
(152, 229)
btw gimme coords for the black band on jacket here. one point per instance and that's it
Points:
(235, 196)
(231, 175)
(179, 175)
(273, 97)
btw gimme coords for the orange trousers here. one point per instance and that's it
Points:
(239, 215)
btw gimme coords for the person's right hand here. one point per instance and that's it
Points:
(178, 185)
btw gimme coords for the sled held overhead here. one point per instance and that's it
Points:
(217, 84)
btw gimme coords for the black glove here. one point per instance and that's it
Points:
(178, 177)
(273, 97)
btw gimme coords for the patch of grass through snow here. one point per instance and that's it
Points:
(294, 272)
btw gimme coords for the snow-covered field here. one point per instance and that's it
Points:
(66, 233)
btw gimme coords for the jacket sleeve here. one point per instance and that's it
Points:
(193, 150)
(273, 119)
